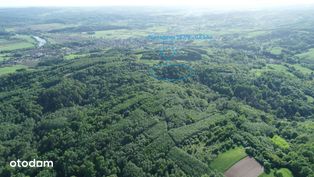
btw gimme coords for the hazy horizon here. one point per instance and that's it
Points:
(172, 3)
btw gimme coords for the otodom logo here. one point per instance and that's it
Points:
(33, 164)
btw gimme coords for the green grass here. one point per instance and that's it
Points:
(2, 57)
(15, 46)
(310, 99)
(307, 55)
(26, 38)
(74, 56)
(10, 29)
(11, 69)
(272, 67)
(149, 62)
(276, 50)
(281, 68)
(256, 33)
(227, 31)
(277, 67)
(118, 34)
(49, 26)
(225, 160)
(283, 171)
(156, 29)
(257, 72)
(126, 33)
(302, 69)
(17, 42)
(280, 142)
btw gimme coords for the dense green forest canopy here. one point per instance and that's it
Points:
(87, 101)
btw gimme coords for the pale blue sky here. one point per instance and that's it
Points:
(203, 3)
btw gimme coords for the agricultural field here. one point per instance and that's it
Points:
(75, 56)
(225, 160)
(247, 167)
(276, 50)
(11, 69)
(2, 57)
(126, 33)
(118, 34)
(17, 42)
(283, 68)
(46, 27)
(255, 34)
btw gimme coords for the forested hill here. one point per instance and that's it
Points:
(106, 116)
(104, 97)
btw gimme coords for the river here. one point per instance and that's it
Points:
(41, 41)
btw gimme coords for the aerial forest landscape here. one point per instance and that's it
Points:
(130, 91)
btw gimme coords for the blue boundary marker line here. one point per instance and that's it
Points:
(190, 70)
(170, 40)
